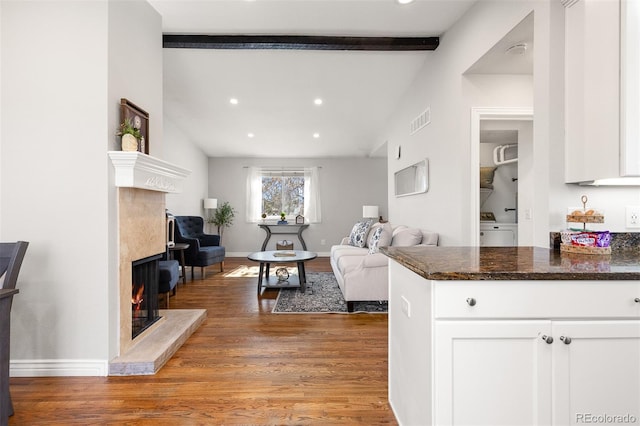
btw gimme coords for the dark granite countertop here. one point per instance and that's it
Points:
(514, 263)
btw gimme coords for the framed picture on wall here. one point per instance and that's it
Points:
(140, 120)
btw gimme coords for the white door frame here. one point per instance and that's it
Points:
(477, 115)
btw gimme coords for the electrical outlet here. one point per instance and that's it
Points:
(633, 217)
(323, 242)
(406, 307)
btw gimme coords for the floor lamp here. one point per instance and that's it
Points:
(210, 204)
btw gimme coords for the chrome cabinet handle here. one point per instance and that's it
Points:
(637, 300)
(566, 340)
(547, 339)
(471, 301)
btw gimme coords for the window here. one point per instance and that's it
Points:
(283, 192)
(293, 191)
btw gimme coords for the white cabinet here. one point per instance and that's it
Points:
(602, 89)
(550, 372)
(592, 92)
(596, 371)
(410, 371)
(630, 87)
(492, 373)
(498, 234)
(513, 352)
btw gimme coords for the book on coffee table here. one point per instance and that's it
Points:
(284, 253)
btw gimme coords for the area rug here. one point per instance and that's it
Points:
(322, 295)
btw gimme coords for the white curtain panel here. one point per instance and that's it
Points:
(254, 194)
(312, 205)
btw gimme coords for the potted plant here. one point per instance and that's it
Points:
(283, 218)
(130, 136)
(223, 218)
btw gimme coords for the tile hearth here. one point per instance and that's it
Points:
(153, 349)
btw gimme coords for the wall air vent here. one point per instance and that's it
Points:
(568, 3)
(420, 121)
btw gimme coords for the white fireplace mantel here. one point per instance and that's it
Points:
(138, 170)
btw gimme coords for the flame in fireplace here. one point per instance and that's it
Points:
(136, 297)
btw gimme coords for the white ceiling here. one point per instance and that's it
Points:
(276, 88)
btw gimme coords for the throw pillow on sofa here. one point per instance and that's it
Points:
(380, 236)
(359, 232)
(407, 237)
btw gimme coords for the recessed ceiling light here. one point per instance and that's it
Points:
(404, 1)
(316, 135)
(233, 101)
(317, 101)
(250, 135)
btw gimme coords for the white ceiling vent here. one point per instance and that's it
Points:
(420, 121)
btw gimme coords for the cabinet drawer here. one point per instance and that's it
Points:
(536, 299)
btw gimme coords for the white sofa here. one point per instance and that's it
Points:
(363, 276)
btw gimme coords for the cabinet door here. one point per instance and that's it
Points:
(592, 90)
(630, 88)
(492, 373)
(597, 372)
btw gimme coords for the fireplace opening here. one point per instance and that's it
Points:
(144, 294)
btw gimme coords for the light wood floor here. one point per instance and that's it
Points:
(245, 366)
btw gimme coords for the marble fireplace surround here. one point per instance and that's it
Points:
(142, 183)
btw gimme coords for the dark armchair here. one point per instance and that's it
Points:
(204, 249)
(11, 256)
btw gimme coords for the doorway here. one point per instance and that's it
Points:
(519, 216)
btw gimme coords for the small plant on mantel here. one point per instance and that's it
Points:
(130, 136)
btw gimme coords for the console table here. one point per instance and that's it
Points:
(291, 229)
(6, 408)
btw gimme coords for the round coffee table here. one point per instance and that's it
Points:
(266, 258)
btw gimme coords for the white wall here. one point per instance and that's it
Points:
(55, 176)
(60, 99)
(346, 185)
(445, 141)
(507, 91)
(135, 66)
(179, 149)
(135, 73)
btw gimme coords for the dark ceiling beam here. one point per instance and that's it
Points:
(291, 42)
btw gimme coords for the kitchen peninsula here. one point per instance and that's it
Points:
(513, 335)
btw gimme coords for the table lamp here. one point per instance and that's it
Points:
(370, 211)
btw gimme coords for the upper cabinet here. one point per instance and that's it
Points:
(630, 88)
(602, 94)
(592, 90)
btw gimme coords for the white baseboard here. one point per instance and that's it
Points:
(58, 368)
(245, 254)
